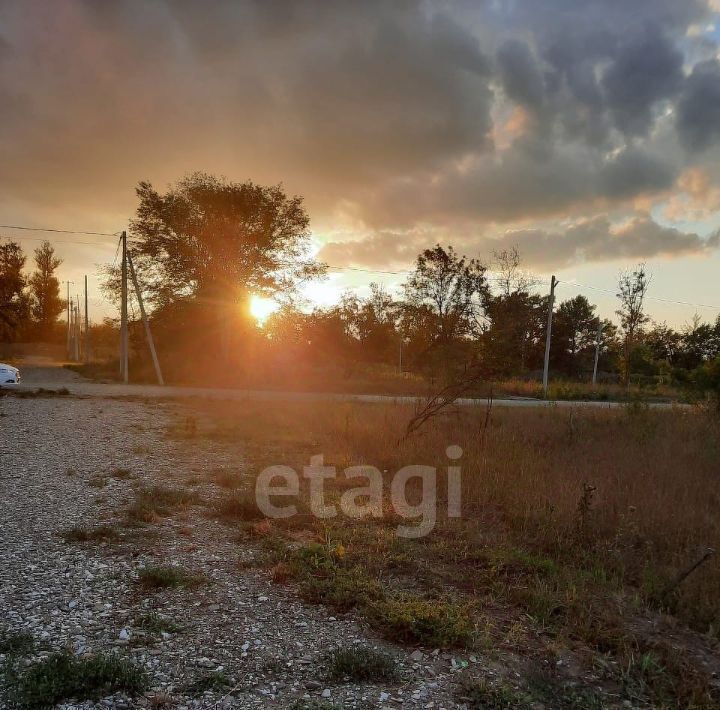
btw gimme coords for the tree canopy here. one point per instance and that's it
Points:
(212, 239)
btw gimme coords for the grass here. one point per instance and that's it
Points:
(361, 664)
(542, 690)
(216, 682)
(16, 644)
(62, 676)
(156, 502)
(167, 577)
(484, 696)
(313, 705)
(239, 506)
(408, 618)
(40, 392)
(121, 473)
(156, 624)
(574, 524)
(82, 533)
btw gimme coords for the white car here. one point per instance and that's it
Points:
(9, 375)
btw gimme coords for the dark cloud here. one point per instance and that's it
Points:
(520, 74)
(596, 240)
(698, 111)
(587, 241)
(411, 117)
(647, 69)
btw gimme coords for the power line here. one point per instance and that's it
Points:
(648, 298)
(336, 268)
(61, 231)
(57, 241)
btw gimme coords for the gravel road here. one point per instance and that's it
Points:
(57, 458)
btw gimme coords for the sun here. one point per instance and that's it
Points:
(261, 307)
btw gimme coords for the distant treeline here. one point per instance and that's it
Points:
(206, 246)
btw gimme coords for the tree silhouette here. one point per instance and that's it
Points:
(45, 291)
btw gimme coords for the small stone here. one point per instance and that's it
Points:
(417, 656)
(325, 693)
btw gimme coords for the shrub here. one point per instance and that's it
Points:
(154, 623)
(16, 644)
(240, 505)
(360, 664)
(216, 681)
(158, 501)
(410, 619)
(80, 533)
(166, 577)
(61, 676)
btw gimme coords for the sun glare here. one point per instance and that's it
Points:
(261, 307)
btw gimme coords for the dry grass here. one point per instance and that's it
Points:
(575, 523)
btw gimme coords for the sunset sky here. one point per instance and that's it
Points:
(586, 132)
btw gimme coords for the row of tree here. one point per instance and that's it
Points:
(207, 245)
(30, 305)
(448, 313)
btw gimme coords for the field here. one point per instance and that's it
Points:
(579, 574)
(575, 530)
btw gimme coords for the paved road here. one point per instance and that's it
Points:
(54, 377)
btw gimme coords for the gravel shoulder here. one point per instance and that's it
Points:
(57, 458)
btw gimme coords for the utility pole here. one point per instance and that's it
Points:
(124, 312)
(597, 352)
(87, 326)
(76, 329)
(69, 325)
(146, 323)
(546, 369)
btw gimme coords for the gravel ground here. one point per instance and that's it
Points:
(85, 597)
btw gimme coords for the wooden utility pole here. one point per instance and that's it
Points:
(548, 337)
(146, 323)
(87, 326)
(124, 312)
(77, 328)
(69, 325)
(597, 352)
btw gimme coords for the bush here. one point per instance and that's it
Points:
(158, 501)
(409, 619)
(80, 533)
(61, 676)
(361, 664)
(162, 577)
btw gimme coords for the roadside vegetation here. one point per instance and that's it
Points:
(62, 676)
(583, 531)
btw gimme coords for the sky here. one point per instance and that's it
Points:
(584, 132)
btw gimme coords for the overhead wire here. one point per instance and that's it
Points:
(331, 267)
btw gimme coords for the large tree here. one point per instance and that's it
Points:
(45, 291)
(574, 334)
(632, 289)
(211, 239)
(14, 303)
(202, 249)
(452, 287)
